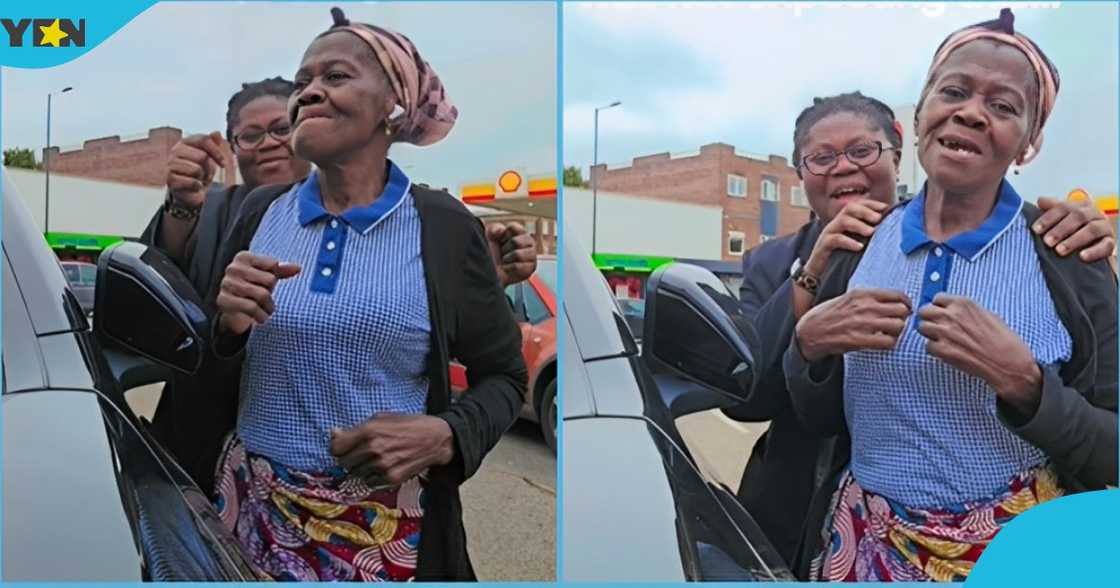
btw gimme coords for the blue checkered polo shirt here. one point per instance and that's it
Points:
(924, 433)
(350, 334)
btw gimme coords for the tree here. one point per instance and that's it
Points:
(573, 176)
(22, 158)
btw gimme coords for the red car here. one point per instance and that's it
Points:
(534, 303)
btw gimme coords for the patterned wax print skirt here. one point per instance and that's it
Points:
(869, 538)
(312, 527)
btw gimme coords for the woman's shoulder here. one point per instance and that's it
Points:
(261, 197)
(442, 203)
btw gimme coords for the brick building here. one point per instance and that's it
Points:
(761, 198)
(141, 161)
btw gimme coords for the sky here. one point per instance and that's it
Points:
(177, 64)
(688, 75)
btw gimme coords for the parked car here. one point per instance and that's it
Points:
(83, 282)
(636, 505)
(634, 311)
(534, 304)
(88, 493)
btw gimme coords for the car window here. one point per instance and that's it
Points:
(546, 272)
(72, 273)
(713, 543)
(535, 310)
(89, 274)
(176, 543)
(516, 304)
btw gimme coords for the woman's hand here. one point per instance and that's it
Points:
(1076, 226)
(864, 318)
(245, 295)
(191, 166)
(514, 252)
(977, 342)
(859, 217)
(392, 448)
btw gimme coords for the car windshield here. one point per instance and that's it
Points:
(546, 272)
(89, 274)
(72, 273)
(632, 307)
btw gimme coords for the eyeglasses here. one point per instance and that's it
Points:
(252, 137)
(860, 154)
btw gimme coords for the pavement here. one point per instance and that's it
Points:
(721, 446)
(509, 509)
(509, 505)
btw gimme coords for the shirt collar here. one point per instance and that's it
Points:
(968, 245)
(362, 218)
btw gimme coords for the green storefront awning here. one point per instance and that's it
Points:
(629, 263)
(81, 241)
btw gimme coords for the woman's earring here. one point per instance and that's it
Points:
(388, 130)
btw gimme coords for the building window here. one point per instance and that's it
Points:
(736, 186)
(797, 197)
(770, 189)
(735, 240)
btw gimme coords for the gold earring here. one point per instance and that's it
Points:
(388, 130)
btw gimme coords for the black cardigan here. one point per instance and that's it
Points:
(1075, 424)
(777, 484)
(471, 322)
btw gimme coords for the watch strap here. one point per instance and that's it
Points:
(806, 281)
(176, 210)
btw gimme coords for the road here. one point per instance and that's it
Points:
(509, 506)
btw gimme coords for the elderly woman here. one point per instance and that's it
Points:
(346, 296)
(191, 227)
(973, 366)
(846, 149)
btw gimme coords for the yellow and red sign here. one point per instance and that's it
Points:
(1106, 203)
(510, 184)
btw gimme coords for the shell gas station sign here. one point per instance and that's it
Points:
(513, 191)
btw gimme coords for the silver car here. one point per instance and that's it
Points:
(636, 507)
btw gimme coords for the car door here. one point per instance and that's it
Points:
(538, 330)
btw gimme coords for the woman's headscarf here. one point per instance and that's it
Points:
(427, 114)
(1002, 30)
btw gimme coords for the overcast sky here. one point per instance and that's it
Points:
(740, 74)
(177, 64)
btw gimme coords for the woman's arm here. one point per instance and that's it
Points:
(228, 345)
(1077, 429)
(487, 342)
(839, 322)
(765, 297)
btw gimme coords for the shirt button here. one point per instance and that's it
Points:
(334, 223)
(330, 245)
(326, 272)
(934, 277)
(937, 251)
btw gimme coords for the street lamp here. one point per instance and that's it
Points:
(47, 166)
(595, 178)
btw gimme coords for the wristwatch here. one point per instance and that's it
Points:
(806, 281)
(179, 211)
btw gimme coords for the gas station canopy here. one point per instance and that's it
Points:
(514, 192)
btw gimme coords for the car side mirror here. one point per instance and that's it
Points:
(145, 305)
(695, 328)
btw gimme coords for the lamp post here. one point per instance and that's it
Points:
(595, 179)
(47, 166)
